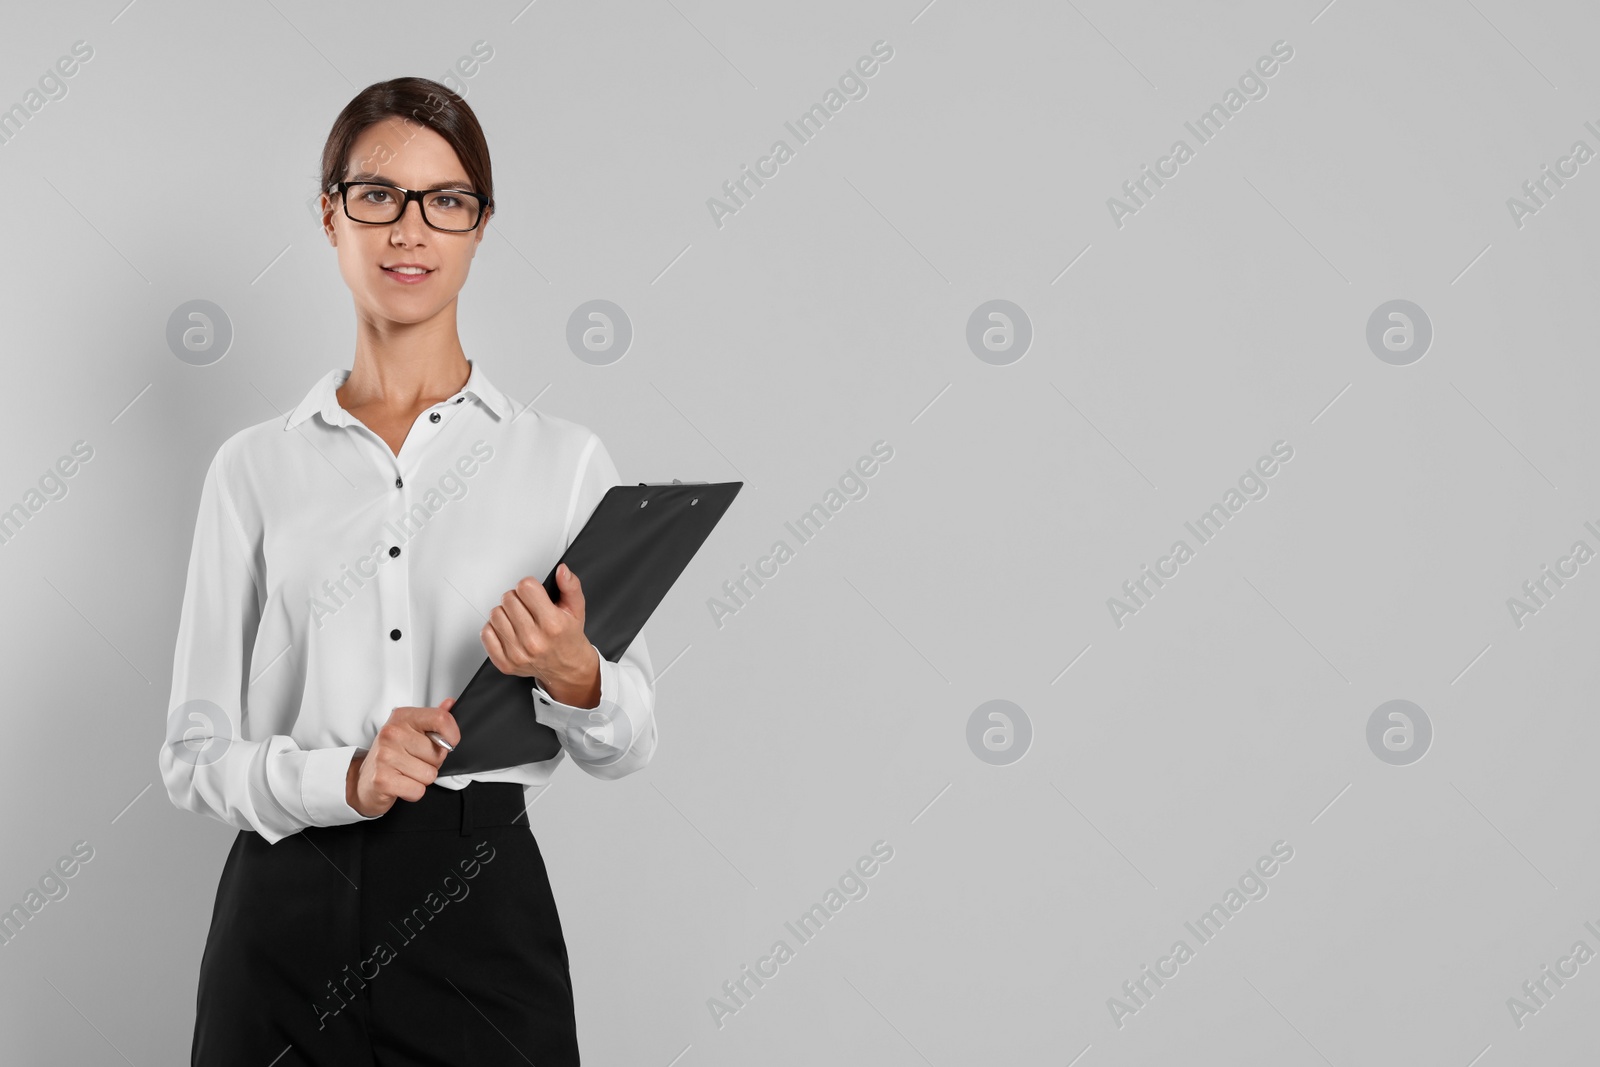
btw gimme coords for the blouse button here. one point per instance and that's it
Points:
(398, 483)
(394, 550)
(459, 399)
(394, 635)
(433, 417)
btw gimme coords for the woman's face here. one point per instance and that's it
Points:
(411, 156)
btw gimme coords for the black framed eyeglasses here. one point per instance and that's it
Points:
(379, 203)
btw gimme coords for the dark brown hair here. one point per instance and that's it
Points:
(422, 101)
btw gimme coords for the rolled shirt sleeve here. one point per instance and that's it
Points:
(618, 735)
(270, 785)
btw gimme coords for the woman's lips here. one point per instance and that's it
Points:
(407, 279)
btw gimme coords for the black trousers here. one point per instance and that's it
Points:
(426, 937)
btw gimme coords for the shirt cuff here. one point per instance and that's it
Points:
(543, 700)
(322, 787)
(598, 734)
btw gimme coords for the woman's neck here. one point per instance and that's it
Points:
(405, 367)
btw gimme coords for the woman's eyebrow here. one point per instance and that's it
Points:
(374, 176)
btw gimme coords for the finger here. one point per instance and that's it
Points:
(498, 640)
(399, 787)
(537, 601)
(410, 735)
(412, 755)
(571, 592)
(441, 722)
(501, 652)
(522, 617)
(491, 645)
(398, 770)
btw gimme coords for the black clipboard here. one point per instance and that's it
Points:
(633, 547)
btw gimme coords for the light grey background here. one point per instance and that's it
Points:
(831, 312)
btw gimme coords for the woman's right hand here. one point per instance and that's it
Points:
(403, 760)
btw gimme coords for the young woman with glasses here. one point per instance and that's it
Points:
(348, 573)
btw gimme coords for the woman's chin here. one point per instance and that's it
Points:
(404, 311)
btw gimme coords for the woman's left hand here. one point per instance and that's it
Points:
(531, 636)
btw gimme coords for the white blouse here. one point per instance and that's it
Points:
(331, 581)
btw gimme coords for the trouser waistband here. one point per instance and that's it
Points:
(441, 808)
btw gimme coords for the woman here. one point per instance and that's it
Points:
(371, 910)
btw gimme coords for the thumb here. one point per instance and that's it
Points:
(571, 590)
(447, 703)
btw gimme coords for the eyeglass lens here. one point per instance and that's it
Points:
(368, 202)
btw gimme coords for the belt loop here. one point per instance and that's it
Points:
(466, 810)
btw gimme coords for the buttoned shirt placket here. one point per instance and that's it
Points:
(394, 582)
